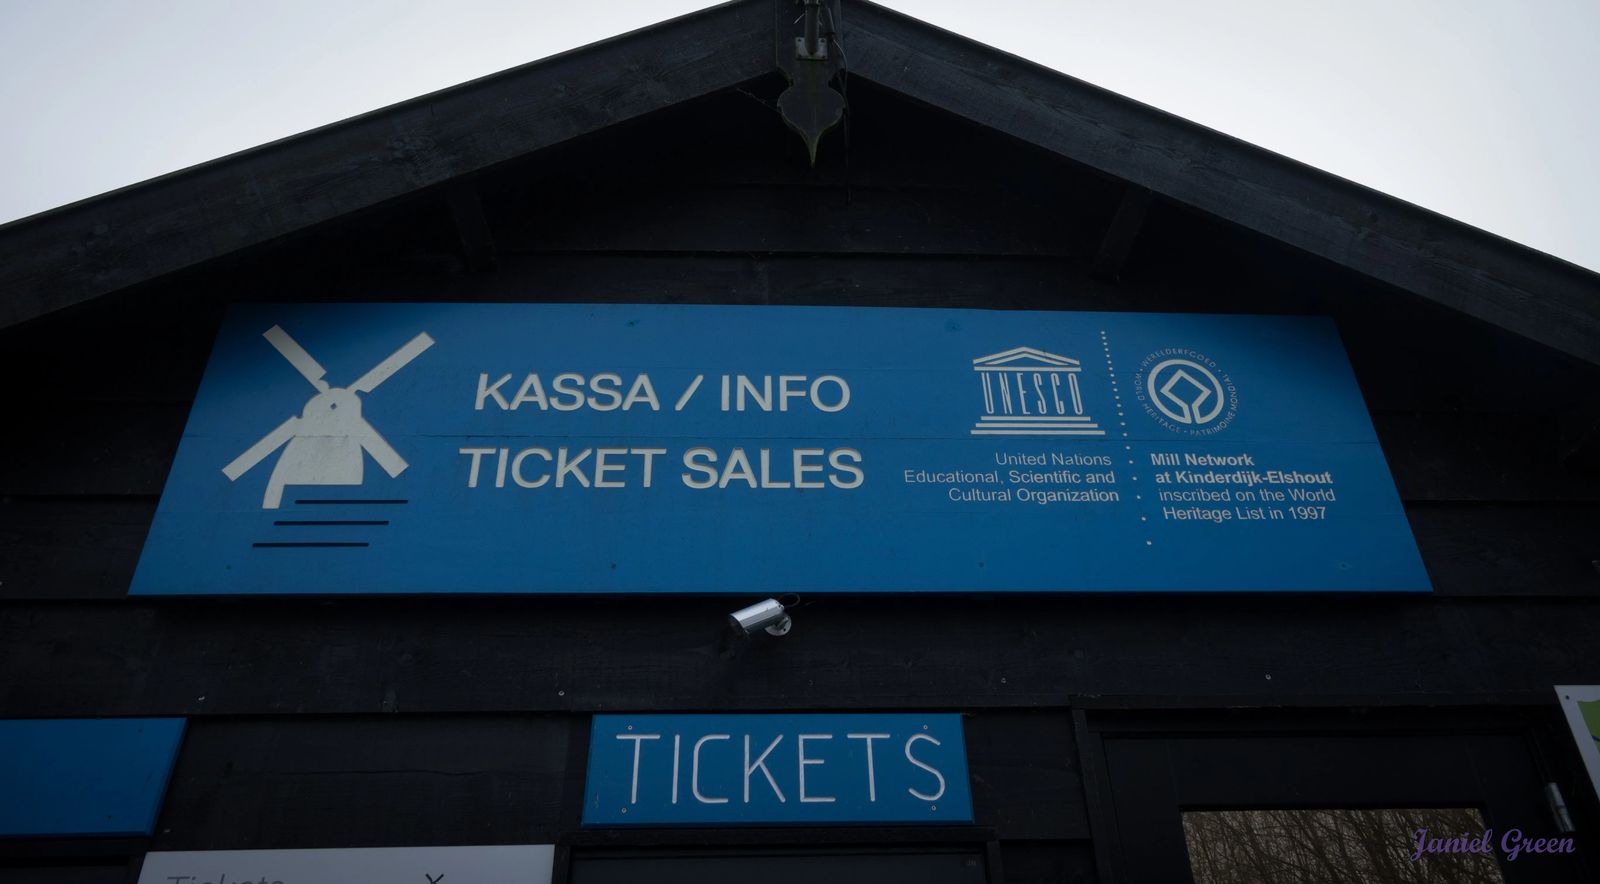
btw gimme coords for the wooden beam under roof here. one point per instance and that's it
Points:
(1121, 233)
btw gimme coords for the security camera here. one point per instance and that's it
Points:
(768, 615)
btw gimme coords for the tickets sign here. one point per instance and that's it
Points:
(665, 770)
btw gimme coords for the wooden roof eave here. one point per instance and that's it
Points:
(1494, 279)
(109, 242)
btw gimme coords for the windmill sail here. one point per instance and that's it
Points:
(396, 361)
(258, 452)
(297, 356)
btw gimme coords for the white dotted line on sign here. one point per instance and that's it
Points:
(1116, 392)
(1122, 417)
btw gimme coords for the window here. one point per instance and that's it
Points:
(1345, 846)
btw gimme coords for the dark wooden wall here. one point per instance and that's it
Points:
(347, 722)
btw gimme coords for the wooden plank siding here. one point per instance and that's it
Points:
(463, 655)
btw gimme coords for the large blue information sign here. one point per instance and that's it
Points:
(564, 448)
(673, 770)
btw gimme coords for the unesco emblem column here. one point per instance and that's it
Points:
(1028, 392)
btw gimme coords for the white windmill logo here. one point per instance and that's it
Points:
(326, 440)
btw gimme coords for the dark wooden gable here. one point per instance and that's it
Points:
(188, 219)
(711, 201)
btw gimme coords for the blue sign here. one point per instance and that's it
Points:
(567, 448)
(89, 776)
(694, 770)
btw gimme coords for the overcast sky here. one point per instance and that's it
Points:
(1484, 110)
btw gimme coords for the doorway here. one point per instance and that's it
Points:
(787, 865)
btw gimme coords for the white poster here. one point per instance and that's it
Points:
(1581, 703)
(498, 864)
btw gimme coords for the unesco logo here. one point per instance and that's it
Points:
(1185, 392)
